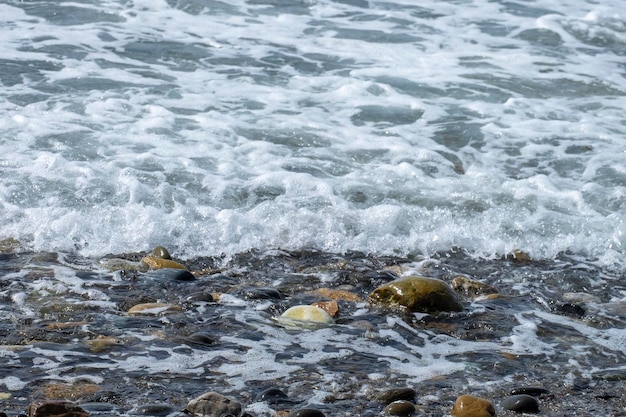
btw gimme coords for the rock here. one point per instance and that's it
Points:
(153, 309)
(260, 293)
(273, 396)
(161, 252)
(331, 307)
(9, 245)
(522, 403)
(307, 412)
(471, 406)
(170, 274)
(213, 404)
(399, 408)
(159, 263)
(43, 408)
(154, 410)
(417, 294)
(396, 394)
(61, 391)
(302, 315)
(472, 288)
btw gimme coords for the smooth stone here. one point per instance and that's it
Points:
(399, 408)
(213, 404)
(161, 252)
(273, 396)
(417, 294)
(522, 403)
(471, 406)
(534, 391)
(303, 314)
(336, 294)
(43, 408)
(117, 264)
(396, 394)
(171, 274)
(153, 410)
(159, 263)
(153, 309)
(331, 307)
(472, 288)
(307, 412)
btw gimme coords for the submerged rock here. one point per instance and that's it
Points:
(521, 403)
(43, 408)
(472, 288)
(471, 406)
(213, 404)
(305, 314)
(417, 294)
(399, 408)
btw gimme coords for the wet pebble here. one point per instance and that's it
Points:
(200, 297)
(213, 404)
(159, 263)
(153, 410)
(401, 408)
(307, 412)
(396, 394)
(161, 252)
(305, 314)
(522, 403)
(171, 274)
(43, 408)
(471, 406)
(273, 396)
(153, 309)
(417, 294)
(260, 293)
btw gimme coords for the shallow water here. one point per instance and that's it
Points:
(56, 308)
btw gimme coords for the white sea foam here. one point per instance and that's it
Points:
(391, 129)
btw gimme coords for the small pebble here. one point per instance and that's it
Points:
(153, 309)
(522, 403)
(161, 252)
(303, 314)
(399, 408)
(471, 406)
(307, 412)
(159, 263)
(395, 394)
(213, 404)
(273, 396)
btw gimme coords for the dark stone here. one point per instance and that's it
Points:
(574, 310)
(171, 274)
(43, 408)
(260, 293)
(534, 391)
(396, 394)
(200, 339)
(154, 410)
(401, 408)
(161, 252)
(273, 396)
(307, 412)
(522, 403)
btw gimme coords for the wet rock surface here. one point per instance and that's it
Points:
(66, 318)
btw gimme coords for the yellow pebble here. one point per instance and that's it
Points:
(305, 314)
(470, 406)
(159, 263)
(153, 309)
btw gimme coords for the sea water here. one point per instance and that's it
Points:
(392, 128)
(380, 126)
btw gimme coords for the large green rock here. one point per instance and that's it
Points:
(417, 294)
